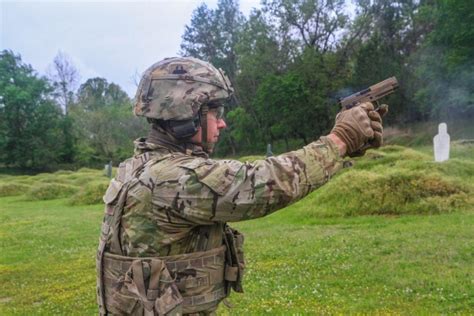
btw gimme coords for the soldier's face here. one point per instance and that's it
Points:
(215, 122)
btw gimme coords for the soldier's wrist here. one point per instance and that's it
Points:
(341, 145)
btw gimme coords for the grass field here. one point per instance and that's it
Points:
(410, 252)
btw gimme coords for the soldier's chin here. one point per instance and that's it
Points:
(210, 147)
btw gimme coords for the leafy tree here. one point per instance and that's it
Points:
(322, 78)
(374, 62)
(214, 34)
(104, 122)
(68, 150)
(455, 32)
(97, 93)
(199, 37)
(260, 55)
(294, 57)
(30, 121)
(445, 65)
(397, 30)
(311, 23)
(240, 135)
(283, 101)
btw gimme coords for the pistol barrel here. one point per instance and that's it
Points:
(371, 94)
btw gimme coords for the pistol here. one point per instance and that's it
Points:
(371, 94)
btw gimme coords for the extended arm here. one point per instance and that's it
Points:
(228, 190)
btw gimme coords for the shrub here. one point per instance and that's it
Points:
(87, 178)
(63, 172)
(89, 170)
(10, 189)
(26, 180)
(91, 193)
(395, 192)
(388, 156)
(50, 191)
(52, 179)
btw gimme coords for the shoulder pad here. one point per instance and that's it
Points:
(126, 173)
(112, 192)
(129, 167)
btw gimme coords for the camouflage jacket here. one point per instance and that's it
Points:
(178, 193)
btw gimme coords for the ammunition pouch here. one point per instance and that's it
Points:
(235, 263)
(148, 281)
(188, 283)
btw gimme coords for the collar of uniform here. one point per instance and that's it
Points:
(159, 141)
(142, 146)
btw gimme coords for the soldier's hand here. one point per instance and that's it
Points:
(360, 128)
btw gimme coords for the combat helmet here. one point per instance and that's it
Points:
(175, 90)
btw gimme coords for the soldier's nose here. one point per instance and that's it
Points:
(221, 124)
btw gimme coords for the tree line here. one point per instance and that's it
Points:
(47, 124)
(289, 61)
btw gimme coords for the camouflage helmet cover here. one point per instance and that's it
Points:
(175, 88)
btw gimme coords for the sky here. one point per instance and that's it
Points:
(116, 40)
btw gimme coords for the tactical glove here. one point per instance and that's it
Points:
(360, 128)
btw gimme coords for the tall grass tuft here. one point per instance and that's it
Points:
(90, 193)
(394, 181)
(49, 191)
(10, 189)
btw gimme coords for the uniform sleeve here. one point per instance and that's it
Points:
(228, 190)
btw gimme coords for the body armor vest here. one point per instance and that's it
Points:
(190, 283)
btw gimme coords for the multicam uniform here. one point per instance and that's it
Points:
(165, 246)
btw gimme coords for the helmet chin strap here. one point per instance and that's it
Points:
(207, 147)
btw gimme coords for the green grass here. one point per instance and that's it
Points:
(389, 265)
(91, 193)
(321, 255)
(47, 263)
(86, 186)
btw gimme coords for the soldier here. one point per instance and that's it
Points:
(165, 246)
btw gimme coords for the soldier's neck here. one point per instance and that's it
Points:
(160, 137)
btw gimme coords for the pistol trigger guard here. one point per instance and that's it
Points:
(377, 108)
